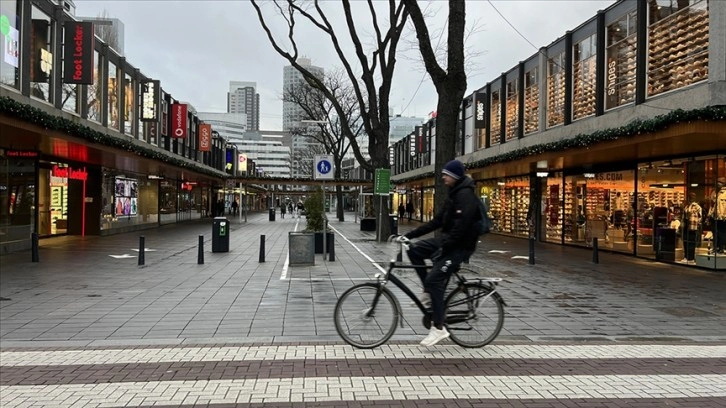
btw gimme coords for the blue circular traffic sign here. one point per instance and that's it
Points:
(324, 167)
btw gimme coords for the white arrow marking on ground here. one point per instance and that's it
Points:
(497, 251)
(145, 249)
(124, 256)
(520, 257)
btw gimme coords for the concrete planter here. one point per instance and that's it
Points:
(301, 248)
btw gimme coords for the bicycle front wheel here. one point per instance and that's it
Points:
(366, 315)
(474, 315)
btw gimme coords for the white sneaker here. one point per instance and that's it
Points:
(435, 335)
(683, 261)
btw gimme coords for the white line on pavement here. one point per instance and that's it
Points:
(287, 259)
(380, 268)
(339, 351)
(317, 389)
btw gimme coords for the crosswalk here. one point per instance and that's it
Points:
(241, 375)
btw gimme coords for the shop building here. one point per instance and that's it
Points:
(615, 131)
(89, 145)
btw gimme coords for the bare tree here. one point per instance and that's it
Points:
(371, 78)
(328, 125)
(450, 83)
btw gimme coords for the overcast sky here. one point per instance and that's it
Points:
(196, 47)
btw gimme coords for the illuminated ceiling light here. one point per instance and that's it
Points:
(694, 184)
(543, 173)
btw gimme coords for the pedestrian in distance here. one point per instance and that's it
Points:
(457, 221)
(401, 211)
(235, 207)
(283, 209)
(409, 210)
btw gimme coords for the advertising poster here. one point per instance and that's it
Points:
(126, 197)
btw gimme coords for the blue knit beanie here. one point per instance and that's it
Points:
(454, 169)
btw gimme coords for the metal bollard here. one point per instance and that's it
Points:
(141, 250)
(531, 250)
(262, 248)
(332, 251)
(200, 254)
(595, 255)
(34, 242)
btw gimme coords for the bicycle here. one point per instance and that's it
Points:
(366, 315)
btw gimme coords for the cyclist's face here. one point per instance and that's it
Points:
(448, 180)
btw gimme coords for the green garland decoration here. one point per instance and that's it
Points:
(630, 130)
(38, 117)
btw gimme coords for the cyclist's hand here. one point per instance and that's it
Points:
(401, 239)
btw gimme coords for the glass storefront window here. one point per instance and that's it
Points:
(70, 102)
(677, 44)
(10, 44)
(128, 200)
(556, 90)
(512, 125)
(94, 91)
(620, 64)
(531, 101)
(129, 100)
(553, 211)
(17, 200)
(168, 201)
(509, 205)
(41, 55)
(113, 93)
(583, 78)
(495, 114)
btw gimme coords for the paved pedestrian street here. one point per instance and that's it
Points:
(89, 327)
(497, 375)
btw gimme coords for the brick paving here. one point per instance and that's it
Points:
(81, 328)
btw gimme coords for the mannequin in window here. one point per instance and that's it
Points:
(692, 216)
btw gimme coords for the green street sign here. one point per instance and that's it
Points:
(382, 182)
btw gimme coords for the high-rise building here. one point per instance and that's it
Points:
(292, 114)
(243, 98)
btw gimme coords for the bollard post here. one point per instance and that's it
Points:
(141, 250)
(595, 255)
(332, 251)
(34, 242)
(262, 248)
(531, 250)
(200, 254)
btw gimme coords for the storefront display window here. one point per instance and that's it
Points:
(512, 109)
(620, 63)
(556, 90)
(552, 209)
(428, 204)
(677, 44)
(41, 55)
(10, 43)
(17, 199)
(113, 92)
(531, 101)
(94, 90)
(509, 205)
(129, 99)
(168, 201)
(495, 122)
(128, 201)
(583, 78)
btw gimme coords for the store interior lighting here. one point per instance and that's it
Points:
(543, 173)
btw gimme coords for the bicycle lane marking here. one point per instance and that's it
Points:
(380, 268)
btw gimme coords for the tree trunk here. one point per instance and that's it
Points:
(339, 208)
(446, 120)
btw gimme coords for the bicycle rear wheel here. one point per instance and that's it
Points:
(474, 315)
(366, 315)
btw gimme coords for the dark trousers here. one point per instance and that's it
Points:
(690, 241)
(435, 281)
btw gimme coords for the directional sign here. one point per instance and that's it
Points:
(324, 167)
(382, 182)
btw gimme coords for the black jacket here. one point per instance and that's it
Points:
(457, 219)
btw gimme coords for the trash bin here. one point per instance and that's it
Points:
(220, 235)
(272, 214)
(393, 220)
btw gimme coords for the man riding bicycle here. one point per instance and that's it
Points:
(459, 234)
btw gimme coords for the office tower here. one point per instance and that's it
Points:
(243, 98)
